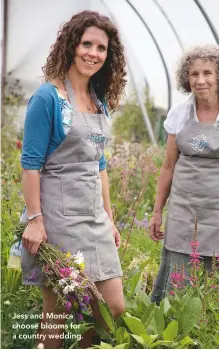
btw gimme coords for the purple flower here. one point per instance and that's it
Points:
(71, 297)
(120, 225)
(86, 299)
(68, 305)
(63, 250)
(141, 223)
(32, 277)
(79, 317)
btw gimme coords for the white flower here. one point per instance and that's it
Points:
(79, 259)
(55, 290)
(74, 274)
(73, 285)
(40, 346)
(69, 288)
(65, 290)
(7, 302)
(62, 282)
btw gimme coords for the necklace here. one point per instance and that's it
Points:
(88, 106)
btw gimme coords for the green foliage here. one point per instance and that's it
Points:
(189, 319)
(135, 325)
(190, 315)
(133, 173)
(175, 323)
(170, 333)
(12, 203)
(158, 326)
(130, 126)
(13, 94)
(122, 337)
(12, 99)
(107, 316)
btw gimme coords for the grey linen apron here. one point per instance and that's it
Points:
(194, 193)
(195, 190)
(71, 198)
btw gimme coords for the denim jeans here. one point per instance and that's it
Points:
(169, 260)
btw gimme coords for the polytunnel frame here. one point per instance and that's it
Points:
(158, 49)
(207, 19)
(170, 23)
(156, 2)
(136, 88)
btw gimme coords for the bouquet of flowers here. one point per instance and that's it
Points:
(64, 275)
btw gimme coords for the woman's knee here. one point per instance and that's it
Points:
(117, 308)
(112, 292)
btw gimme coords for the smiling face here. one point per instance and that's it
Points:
(203, 79)
(91, 53)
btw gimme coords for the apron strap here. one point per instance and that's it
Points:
(192, 113)
(95, 99)
(70, 92)
(72, 99)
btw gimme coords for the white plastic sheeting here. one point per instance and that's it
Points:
(33, 26)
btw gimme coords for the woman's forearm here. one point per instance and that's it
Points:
(105, 193)
(163, 188)
(35, 232)
(31, 190)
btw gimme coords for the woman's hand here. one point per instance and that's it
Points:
(155, 223)
(34, 234)
(116, 235)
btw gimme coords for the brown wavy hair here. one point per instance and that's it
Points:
(109, 81)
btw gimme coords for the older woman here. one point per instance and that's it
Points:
(190, 173)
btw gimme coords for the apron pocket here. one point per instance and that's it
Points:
(78, 195)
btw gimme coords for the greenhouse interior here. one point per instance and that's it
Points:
(154, 151)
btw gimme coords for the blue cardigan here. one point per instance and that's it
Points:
(43, 128)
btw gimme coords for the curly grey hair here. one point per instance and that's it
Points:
(207, 53)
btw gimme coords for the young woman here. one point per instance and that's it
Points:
(65, 181)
